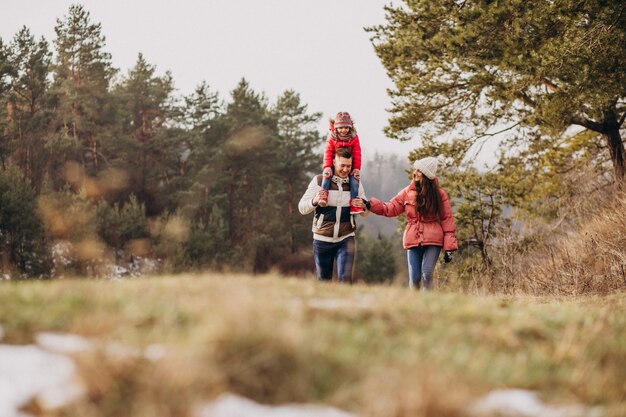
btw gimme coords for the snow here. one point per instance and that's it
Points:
(230, 405)
(62, 343)
(46, 372)
(28, 372)
(154, 352)
(524, 403)
(339, 303)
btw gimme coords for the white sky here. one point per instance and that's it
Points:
(317, 48)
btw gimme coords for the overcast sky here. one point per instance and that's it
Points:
(317, 48)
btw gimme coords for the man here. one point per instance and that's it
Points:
(333, 226)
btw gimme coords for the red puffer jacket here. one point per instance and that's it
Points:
(332, 143)
(435, 230)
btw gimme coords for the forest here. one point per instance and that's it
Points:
(100, 167)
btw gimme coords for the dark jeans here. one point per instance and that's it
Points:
(422, 261)
(354, 185)
(325, 254)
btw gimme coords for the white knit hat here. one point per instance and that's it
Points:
(427, 166)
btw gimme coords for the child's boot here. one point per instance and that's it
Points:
(323, 199)
(354, 209)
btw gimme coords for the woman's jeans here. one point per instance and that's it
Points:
(325, 254)
(354, 185)
(422, 261)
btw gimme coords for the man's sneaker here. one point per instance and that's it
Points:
(355, 210)
(323, 199)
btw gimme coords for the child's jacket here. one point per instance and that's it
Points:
(333, 142)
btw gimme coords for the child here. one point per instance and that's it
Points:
(342, 133)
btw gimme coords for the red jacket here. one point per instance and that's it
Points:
(435, 229)
(333, 142)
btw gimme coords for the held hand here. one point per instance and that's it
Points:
(361, 202)
(328, 172)
(356, 173)
(358, 202)
(447, 256)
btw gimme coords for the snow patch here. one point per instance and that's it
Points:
(71, 344)
(230, 405)
(45, 373)
(523, 403)
(28, 372)
(62, 343)
(338, 303)
(154, 352)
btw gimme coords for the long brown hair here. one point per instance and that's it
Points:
(427, 196)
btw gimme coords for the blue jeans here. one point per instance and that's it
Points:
(325, 254)
(422, 261)
(354, 185)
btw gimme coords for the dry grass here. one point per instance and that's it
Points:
(375, 351)
(586, 254)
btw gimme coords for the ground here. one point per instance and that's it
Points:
(368, 350)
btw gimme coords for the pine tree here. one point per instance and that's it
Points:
(6, 72)
(248, 159)
(144, 150)
(298, 155)
(486, 65)
(82, 77)
(376, 261)
(23, 244)
(28, 113)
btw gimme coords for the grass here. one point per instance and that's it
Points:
(375, 351)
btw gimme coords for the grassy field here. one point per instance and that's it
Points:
(374, 351)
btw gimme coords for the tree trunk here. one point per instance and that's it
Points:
(609, 129)
(290, 212)
(616, 149)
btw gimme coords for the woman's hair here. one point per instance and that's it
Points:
(427, 196)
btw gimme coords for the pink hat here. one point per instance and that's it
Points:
(343, 119)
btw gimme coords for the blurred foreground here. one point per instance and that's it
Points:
(166, 346)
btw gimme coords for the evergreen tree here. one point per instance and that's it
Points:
(5, 68)
(23, 244)
(145, 99)
(376, 261)
(492, 64)
(201, 117)
(297, 157)
(117, 226)
(82, 78)
(248, 160)
(28, 115)
(6, 72)
(208, 129)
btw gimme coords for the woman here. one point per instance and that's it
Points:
(430, 225)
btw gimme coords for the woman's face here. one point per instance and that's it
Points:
(417, 175)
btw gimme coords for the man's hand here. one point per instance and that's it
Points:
(447, 256)
(358, 202)
(361, 202)
(328, 172)
(356, 173)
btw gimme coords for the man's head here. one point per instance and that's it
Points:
(343, 162)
